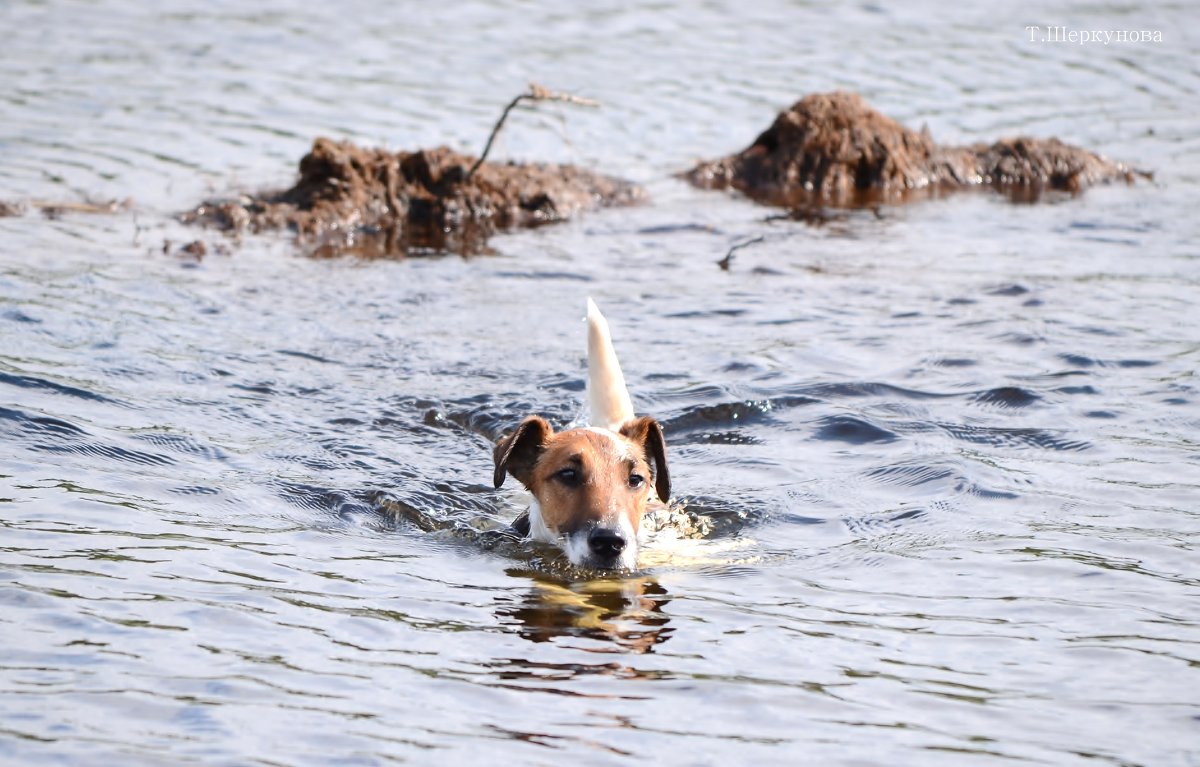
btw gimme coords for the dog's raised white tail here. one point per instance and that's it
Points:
(609, 405)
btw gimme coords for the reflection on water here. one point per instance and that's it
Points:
(620, 614)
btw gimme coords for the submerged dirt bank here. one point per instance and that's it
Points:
(375, 202)
(833, 149)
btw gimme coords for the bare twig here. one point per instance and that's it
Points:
(111, 206)
(724, 263)
(535, 93)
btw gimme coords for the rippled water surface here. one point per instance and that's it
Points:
(947, 455)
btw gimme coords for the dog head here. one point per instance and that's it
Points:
(590, 486)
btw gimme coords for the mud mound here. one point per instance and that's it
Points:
(833, 149)
(375, 202)
(1043, 163)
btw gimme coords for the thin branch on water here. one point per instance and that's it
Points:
(535, 93)
(110, 206)
(724, 263)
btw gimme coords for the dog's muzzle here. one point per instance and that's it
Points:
(602, 547)
(605, 543)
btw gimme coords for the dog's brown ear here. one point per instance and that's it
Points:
(518, 453)
(646, 432)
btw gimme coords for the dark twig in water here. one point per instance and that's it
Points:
(535, 93)
(725, 262)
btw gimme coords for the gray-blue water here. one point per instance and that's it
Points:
(951, 453)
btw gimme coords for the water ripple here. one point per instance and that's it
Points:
(856, 431)
(942, 454)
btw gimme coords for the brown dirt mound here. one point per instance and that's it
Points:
(833, 149)
(376, 202)
(1035, 164)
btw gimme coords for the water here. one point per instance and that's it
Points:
(949, 453)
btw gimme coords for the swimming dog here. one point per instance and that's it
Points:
(590, 485)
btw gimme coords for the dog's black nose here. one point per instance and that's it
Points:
(606, 544)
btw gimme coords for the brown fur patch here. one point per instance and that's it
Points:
(647, 435)
(602, 463)
(518, 453)
(600, 490)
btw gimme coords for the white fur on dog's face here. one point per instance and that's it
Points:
(575, 545)
(590, 486)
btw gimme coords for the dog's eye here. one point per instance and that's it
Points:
(636, 480)
(568, 476)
